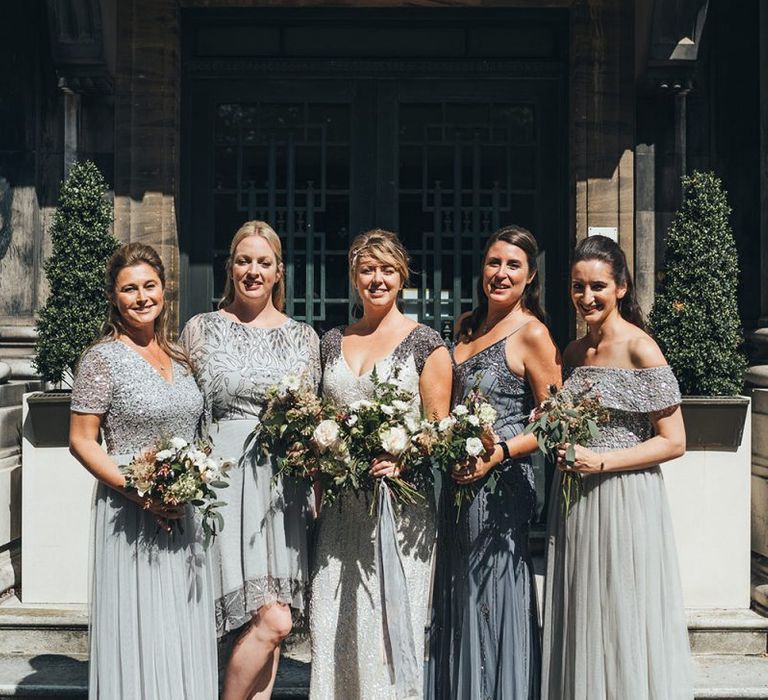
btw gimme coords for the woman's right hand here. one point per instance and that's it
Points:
(385, 465)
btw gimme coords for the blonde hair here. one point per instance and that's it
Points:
(384, 247)
(263, 229)
(128, 256)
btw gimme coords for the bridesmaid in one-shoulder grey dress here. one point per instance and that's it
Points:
(152, 626)
(614, 621)
(485, 634)
(261, 555)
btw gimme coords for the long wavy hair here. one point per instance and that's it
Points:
(608, 251)
(263, 229)
(128, 256)
(531, 300)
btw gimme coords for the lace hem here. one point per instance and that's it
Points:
(234, 609)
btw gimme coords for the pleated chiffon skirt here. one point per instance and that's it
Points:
(614, 621)
(260, 557)
(152, 633)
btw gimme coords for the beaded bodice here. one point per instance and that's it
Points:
(138, 405)
(631, 395)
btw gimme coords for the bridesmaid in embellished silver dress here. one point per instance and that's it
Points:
(151, 608)
(614, 621)
(259, 560)
(367, 625)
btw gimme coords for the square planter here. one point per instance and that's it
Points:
(714, 422)
(57, 493)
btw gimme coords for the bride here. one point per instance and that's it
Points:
(358, 649)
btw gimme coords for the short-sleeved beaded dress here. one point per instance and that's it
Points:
(152, 626)
(348, 654)
(614, 621)
(484, 641)
(261, 555)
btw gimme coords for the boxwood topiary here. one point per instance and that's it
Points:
(82, 243)
(695, 318)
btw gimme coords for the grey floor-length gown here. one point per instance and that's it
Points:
(614, 621)
(261, 556)
(152, 629)
(348, 648)
(484, 641)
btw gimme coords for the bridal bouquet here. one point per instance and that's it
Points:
(564, 417)
(466, 432)
(363, 431)
(175, 473)
(298, 427)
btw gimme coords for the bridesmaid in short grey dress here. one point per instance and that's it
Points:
(152, 629)
(260, 560)
(614, 620)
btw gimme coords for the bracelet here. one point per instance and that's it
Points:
(504, 449)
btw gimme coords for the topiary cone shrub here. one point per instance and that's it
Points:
(695, 318)
(81, 246)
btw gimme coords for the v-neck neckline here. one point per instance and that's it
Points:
(381, 359)
(150, 365)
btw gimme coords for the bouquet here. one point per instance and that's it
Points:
(466, 432)
(564, 417)
(298, 427)
(367, 429)
(175, 473)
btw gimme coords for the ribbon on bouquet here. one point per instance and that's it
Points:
(395, 606)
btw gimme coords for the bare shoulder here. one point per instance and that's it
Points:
(536, 334)
(644, 352)
(575, 352)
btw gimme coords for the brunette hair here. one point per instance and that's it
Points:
(608, 251)
(263, 229)
(384, 247)
(531, 300)
(128, 256)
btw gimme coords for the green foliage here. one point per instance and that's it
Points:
(695, 318)
(81, 246)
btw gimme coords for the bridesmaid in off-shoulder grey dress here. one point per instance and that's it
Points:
(614, 620)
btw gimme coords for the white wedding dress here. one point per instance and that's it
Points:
(349, 658)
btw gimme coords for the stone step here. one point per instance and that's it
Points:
(738, 632)
(66, 676)
(27, 630)
(10, 426)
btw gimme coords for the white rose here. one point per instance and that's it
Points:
(198, 457)
(474, 447)
(446, 424)
(402, 406)
(359, 404)
(326, 434)
(387, 409)
(351, 420)
(290, 382)
(394, 440)
(178, 443)
(486, 413)
(208, 475)
(473, 420)
(413, 423)
(164, 454)
(460, 410)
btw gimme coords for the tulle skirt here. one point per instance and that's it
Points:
(614, 621)
(152, 629)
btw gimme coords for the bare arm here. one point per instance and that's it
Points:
(435, 384)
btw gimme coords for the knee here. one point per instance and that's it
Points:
(273, 622)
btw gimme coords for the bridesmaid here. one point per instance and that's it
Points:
(359, 649)
(259, 560)
(485, 636)
(152, 624)
(614, 622)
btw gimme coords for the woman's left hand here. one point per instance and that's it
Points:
(385, 465)
(586, 462)
(475, 468)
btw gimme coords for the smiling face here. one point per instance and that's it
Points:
(377, 282)
(505, 273)
(255, 270)
(594, 291)
(138, 295)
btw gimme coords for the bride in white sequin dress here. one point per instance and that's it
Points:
(350, 658)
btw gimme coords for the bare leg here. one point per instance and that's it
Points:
(252, 666)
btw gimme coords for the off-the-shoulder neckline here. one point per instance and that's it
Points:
(619, 369)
